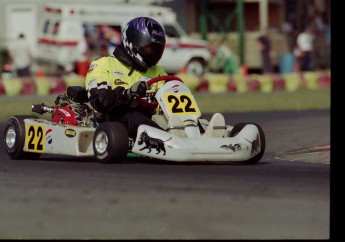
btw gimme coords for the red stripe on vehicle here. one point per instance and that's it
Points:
(57, 43)
(185, 46)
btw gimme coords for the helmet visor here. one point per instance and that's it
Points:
(152, 53)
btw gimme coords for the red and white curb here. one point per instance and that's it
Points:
(209, 82)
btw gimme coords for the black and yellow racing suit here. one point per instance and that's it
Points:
(106, 82)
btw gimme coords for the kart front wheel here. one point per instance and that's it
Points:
(14, 138)
(238, 127)
(110, 142)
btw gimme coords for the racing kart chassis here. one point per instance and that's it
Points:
(74, 130)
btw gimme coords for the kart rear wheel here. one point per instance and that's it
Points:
(238, 127)
(110, 142)
(14, 138)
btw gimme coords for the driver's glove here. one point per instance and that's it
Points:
(137, 89)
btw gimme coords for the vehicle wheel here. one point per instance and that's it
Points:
(110, 142)
(195, 67)
(238, 127)
(14, 138)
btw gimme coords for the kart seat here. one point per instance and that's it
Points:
(216, 127)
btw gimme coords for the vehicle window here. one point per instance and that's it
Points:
(46, 26)
(171, 32)
(103, 33)
(49, 27)
(102, 38)
(56, 28)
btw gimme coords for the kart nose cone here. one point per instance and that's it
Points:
(10, 137)
(101, 142)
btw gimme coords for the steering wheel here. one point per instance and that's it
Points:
(152, 105)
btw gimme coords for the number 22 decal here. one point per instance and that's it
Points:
(182, 104)
(34, 138)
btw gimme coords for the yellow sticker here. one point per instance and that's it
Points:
(70, 133)
(181, 104)
(188, 123)
(34, 138)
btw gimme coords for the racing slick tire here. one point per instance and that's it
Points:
(14, 138)
(110, 142)
(238, 127)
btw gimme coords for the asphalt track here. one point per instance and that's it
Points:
(285, 196)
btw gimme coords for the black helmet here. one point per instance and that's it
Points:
(143, 40)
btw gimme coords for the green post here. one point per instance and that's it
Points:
(202, 19)
(240, 29)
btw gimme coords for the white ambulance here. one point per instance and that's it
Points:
(62, 28)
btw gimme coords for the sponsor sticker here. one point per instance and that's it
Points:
(70, 133)
(49, 138)
(65, 112)
(118, 73)
(91, 68)
(119, 82)
(175, 88)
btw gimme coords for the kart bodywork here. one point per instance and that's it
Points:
(184, 137)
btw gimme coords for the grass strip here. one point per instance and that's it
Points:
(208, 102)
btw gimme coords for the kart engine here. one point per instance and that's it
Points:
(70, 108)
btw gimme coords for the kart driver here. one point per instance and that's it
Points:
(113, 82)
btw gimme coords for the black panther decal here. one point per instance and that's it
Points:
(232, 147)
(151, 143)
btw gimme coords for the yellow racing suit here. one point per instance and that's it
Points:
(106, 82)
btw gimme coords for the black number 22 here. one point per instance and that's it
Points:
(176, 102)
(33, 134)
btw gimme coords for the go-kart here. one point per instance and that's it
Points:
(184, 137)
